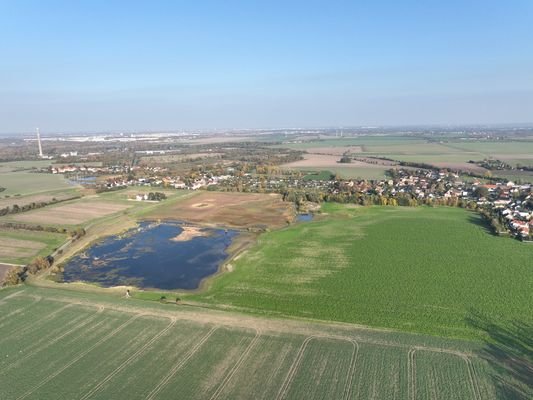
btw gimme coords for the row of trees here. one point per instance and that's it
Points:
(19, 274)
(15, 208)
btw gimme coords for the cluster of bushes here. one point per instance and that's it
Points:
(14, 276)
(77, 233)
(157, 196)
(19, 274)
(105, 188)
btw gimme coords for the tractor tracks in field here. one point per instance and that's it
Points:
(411, 371)
(20, 310)
(32, 325)
(411, 374)
(163, 382)
(33, 350)
(17, 293)
(282, 393)
(78, 357)
(129, 360)
(237, 365)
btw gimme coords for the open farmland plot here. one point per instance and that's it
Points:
(100, 347)
(37, 198)
(417, 269)
(19, 247)
(24, 182)
(74, 213)
(229, 209)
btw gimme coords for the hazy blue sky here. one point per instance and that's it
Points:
(132, 65)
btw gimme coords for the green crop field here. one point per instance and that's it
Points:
(24, 182)
(62, 344)
(415, 269)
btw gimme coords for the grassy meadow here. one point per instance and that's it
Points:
(413, 269)
(98, 346)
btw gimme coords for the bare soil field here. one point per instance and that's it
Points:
(71, 214)
(3, 271)
(324, 160)
(240, 210)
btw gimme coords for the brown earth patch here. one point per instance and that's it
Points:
(3, 271)
(241, 210)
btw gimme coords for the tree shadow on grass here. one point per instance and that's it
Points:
(509, 351)
(482, 223)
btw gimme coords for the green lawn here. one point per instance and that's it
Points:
(414, 269)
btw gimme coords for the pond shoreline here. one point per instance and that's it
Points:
(156, 255)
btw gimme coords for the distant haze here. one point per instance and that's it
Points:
(110, 65)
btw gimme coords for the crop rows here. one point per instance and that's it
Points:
(81, 351)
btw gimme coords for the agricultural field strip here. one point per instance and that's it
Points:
(166, 379)
(411, 370)
(130, 359)
(32, 350)
(290, 375)
(238, 322)
(237, 365)
(296, 363)
(18, 293)
(19, 310)
(32, 324)
(411, 375)
(79, 357)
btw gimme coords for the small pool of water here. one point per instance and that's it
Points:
(151, 257)
(304, 217)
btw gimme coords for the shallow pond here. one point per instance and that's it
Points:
(304, 217)
(159, 256)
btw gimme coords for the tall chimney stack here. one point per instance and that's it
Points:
(39, 142)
